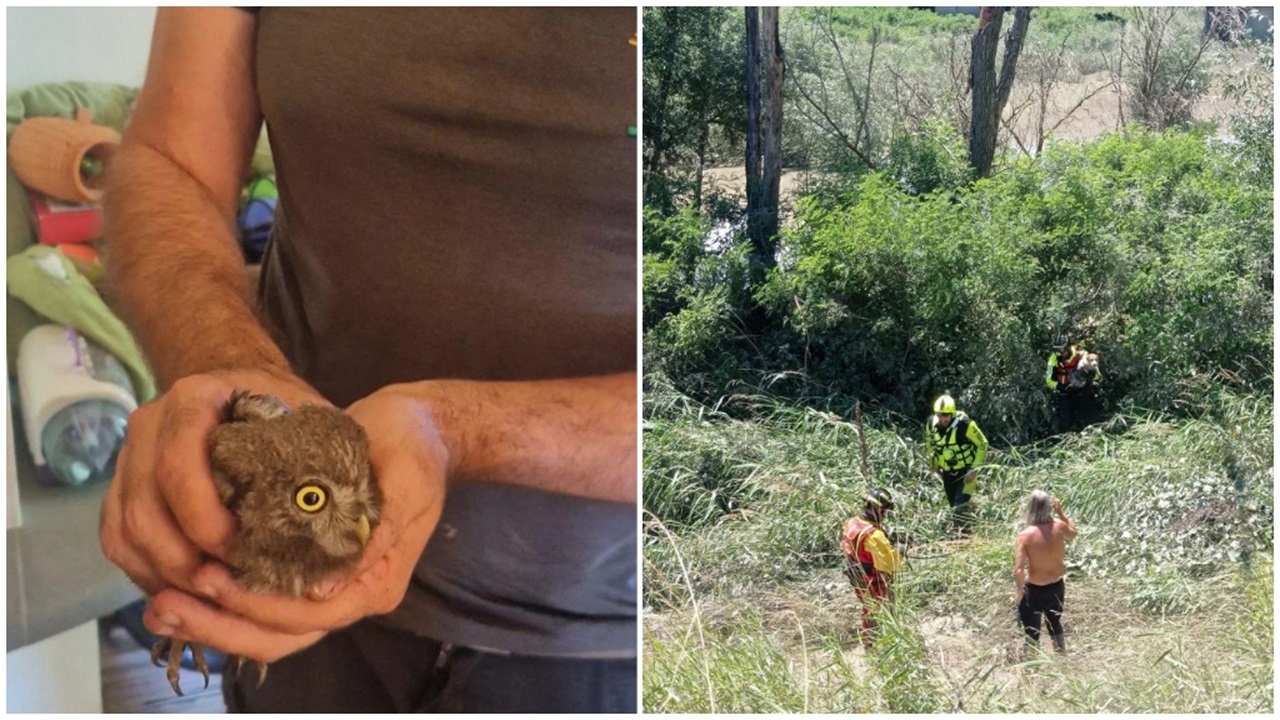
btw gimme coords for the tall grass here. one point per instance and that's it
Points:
(1169, 583)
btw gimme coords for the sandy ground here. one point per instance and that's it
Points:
(976, 654)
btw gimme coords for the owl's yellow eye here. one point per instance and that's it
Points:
(310, 498)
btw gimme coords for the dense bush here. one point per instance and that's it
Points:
(1153, 249)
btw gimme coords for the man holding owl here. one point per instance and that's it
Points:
(453, 267)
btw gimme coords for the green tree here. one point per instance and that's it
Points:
(693, 85)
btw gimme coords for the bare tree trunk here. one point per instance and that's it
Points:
(982, 88)
(703, 141)
(1012, 49)
(754, 195)
(772, 68)
(989, 93)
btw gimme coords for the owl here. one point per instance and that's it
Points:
(301, 488)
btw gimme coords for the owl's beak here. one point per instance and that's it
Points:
(362, 529)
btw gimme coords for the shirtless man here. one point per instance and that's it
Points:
(1039, 567)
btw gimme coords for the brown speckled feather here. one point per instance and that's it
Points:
(266, 459)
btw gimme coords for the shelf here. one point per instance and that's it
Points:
(58, 577)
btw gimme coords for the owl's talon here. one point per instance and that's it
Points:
(261, 666)
(175, 664)
(174, 649)
(197, 655)
(158, 649)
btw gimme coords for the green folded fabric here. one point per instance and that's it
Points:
(111, 104)
(49, 283)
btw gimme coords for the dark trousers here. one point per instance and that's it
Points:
(1042, 601)
(1067, 402)
(369, 667)
(1076, 409)
(953, 486)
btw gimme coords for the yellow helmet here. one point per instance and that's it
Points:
(944, 405)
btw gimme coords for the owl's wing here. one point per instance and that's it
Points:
(244, 406)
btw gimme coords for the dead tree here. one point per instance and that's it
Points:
(754, 178)
(990, 92)
(764, 132)
(772, 68)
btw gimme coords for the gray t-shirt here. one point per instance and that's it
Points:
(457, 200)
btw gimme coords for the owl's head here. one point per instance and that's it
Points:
(300, 484)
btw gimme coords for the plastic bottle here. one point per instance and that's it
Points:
(76, 401)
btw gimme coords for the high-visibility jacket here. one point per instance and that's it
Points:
(959, 446)
(1060, 366)
(866, 545)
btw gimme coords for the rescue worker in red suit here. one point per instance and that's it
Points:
(870, 557)
(1072, 390)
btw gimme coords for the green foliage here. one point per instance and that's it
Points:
(695, 343)
(932, 159)
(1250, 82)
(1162, 48)
(1154, 250)
(700, 473)
(672, 249)
(865, 78)
(750, 672)
(903, 23)
(1089, 34)
(900, 659)
(694, 112)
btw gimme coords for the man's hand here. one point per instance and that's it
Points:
(969, 476)
(162, 513)
(1057, 507)
(1017, 595)
(409, 462)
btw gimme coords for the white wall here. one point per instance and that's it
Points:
(61, 674)
(13, 514)
(48, 44)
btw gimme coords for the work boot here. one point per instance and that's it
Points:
(1059, 643)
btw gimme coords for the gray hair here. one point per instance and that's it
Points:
(1039, 508)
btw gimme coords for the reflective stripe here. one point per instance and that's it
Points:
(857, 543)
(949, 449)
(1062, 370)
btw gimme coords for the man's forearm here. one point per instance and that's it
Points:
(176, 274)
(575, 436)
(1062, 514)
(1071, 527)
(1019, 568)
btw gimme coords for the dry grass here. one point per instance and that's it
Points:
(1119, 659)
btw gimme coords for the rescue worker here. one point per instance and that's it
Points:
(956, 448)
(1071, 398)
(870, 558)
